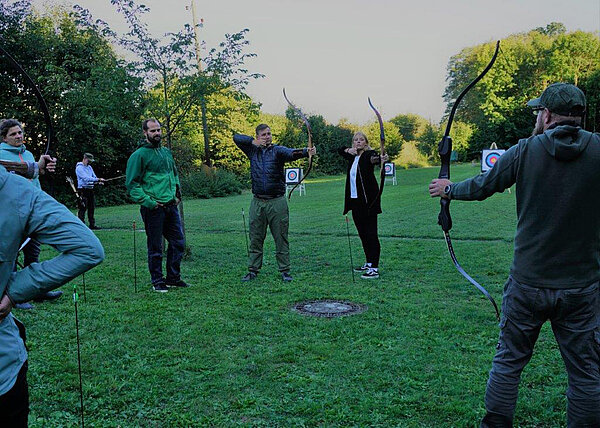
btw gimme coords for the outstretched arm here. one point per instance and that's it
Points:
(31, 169)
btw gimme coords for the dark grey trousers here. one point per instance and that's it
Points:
(575, 318)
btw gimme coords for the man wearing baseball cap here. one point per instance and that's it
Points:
(86, 180)
(556, 266)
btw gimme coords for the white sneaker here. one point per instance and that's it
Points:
(363, 268)
(371, 273)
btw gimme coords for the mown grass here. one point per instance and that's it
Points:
(228, 354)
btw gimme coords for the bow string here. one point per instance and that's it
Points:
(38, 95)
(381, 152)
(310, 145)
(445, 150)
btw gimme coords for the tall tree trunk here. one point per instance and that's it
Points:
(207, 160)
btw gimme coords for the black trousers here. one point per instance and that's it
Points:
(89, 204)
(14, 405)
(366, 225)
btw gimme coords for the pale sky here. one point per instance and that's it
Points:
(330, 55)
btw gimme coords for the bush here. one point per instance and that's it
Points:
(411, 157)
(208, 183)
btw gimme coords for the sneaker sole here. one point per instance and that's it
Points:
(160, 291)
(370, 277)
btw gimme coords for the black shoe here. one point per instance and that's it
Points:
(180, 284)
(25, 306)
(49, 295)
(286, 277)
(362, 268)
(371, 273)
(95, 227)
(160, 287)
(249, 276)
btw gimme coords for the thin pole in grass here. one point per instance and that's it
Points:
(75, 299)
(134, 260)
(350, 251)
(245, 232)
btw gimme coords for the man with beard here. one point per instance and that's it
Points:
(556, 266)
(152, 182)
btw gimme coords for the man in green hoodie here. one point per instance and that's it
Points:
(556, 266)
(27, 211)
(152, 182)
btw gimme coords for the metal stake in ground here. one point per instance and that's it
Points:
(134, 260)
(350, 251)
(245, 233)
(75, 299)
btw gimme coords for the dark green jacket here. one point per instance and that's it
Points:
(557, 176)
(151, 175)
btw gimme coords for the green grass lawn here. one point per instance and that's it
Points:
(225, 353)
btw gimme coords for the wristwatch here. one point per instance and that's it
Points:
(447, 190)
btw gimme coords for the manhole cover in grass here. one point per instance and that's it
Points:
(328, 308)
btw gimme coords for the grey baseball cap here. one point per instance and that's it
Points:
(564, 99)
(89, 156)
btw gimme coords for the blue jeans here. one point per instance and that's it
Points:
(574, 315)
(158, 222)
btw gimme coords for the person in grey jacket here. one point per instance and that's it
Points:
(269, 205)
(27, 211)
(556, 266)
(86, 180)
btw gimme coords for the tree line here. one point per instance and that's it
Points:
(97, 98)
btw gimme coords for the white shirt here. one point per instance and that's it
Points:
(353, 170)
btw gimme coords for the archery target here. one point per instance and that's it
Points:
(293, 175)
(489, 159)
(389, 169)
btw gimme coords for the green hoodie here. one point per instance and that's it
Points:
(557, 243)
(151, 175)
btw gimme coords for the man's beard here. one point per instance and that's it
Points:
(539, 125)
(537, 129)
(155, 141)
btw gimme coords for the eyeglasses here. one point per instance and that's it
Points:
(536, 111)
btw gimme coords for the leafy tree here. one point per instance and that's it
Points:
(552, 29)
(169, 66)
(94, 102)
(428, 143)
(411, 126)
(393, 140)
(528, 62)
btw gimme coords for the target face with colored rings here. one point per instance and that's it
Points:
(293, 175)
(491, 158)
(388, 169)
